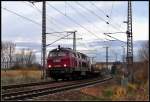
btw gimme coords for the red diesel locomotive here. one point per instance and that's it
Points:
(64, 63)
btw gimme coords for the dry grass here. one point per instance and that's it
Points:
(20, 76)
(137, 91)
(114, 92)
(20, 73)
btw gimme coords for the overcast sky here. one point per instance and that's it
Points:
(89, 20)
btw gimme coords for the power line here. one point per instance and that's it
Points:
(28, 18)
(38, 23)
(97, 15)
(78, 23)
(50, 17)
(99, 9)
(108, 16)
(116, 38)
(34, 7)
(84, 17)
(24, 17)
(111, 11)
(112, 33)
(37, 9)
(91, 12)
(95, 26)
(74, 21)
(81, 15)
(58, 39)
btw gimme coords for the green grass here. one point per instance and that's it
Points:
(108, 92)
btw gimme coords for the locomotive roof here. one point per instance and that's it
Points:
(61, 49)
(66, 49)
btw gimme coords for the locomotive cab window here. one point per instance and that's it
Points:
(74, 54)
(78, 55)
(54, 54)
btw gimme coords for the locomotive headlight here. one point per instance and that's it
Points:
(49, 66)
(65, 65)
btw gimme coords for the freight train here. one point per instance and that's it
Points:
(65, 63)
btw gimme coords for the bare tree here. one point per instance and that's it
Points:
(25, 58)
(144, 52)
(7, 53)
(141, 69)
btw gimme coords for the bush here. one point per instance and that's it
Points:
(131, 87)
(29, 66)
(15, 67)
(108, 93)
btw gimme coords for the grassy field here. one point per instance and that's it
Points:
(115, 92)
(20, 76)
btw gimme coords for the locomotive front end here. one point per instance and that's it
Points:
(58, 64)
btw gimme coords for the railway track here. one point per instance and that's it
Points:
(7, 87)
(29, 94)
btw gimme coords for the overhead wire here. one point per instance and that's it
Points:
(39, 11)
(28, 19)
(109, 35)
(58, 39)
(22, 16)
(79, 24)
(108, 16)
(82, 15)
(84, 18)
(98, 8)
(100, 18)
(113, 51)
(74, 21)
(95, 26)
(66, 16)
(52, 18)
(71, 19)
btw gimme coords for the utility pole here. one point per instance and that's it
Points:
(123, 54)
(92, 60)
(43, 52)
(44, 39)
(106, 56)
(129, 58)
(10, 60)
(116, 57)
(124, 62)
(74, 41)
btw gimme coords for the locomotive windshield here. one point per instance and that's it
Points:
(55, 54)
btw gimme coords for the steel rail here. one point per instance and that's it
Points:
(25, 85)
(22, 95)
